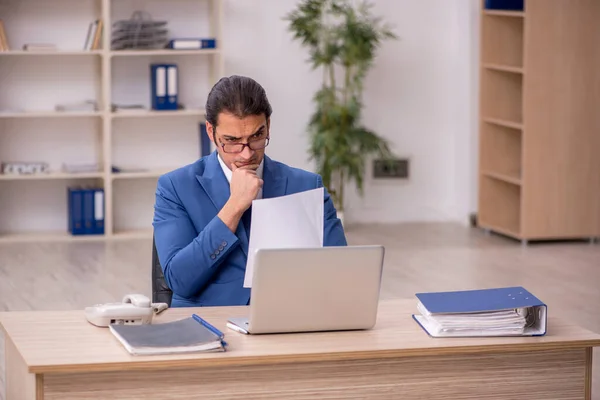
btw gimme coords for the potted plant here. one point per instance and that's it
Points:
(342, 39)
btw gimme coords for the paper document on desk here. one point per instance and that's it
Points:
(292, 221)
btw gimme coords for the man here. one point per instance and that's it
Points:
(202, 211)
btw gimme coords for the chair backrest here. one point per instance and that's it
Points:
(161, 293)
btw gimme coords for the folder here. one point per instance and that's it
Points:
(75, 211)
(506, 311)
(88, 211)
(205, 143)
(172, 87)
(192, 43)
(98, 217)
(164, 86)
(508, 5)
(189, 335)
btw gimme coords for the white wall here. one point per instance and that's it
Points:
(421, 95)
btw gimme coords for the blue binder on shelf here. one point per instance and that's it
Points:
(507, 311)
(75, 211)
(88, 211)
(164, 84)
(85, 211)
(508, 5)
(204, 141)
(192, 43)
(97, 217)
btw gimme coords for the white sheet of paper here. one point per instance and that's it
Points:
(292, 221)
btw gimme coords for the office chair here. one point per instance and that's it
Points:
(161, 293)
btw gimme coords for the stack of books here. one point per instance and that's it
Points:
(93, 40)
(509, 311)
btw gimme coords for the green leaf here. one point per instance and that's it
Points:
(342, 38)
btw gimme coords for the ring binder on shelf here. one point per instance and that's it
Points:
(164, 86)
(508, 311)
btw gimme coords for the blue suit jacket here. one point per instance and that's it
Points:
(204, 262)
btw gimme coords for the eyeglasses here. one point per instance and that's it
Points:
(256, 144)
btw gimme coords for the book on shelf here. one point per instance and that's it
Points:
(3, 40)
(189, 335)
(93, 40)
(85, 211)
(507, 311)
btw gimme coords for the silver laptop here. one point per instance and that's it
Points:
(313, 289)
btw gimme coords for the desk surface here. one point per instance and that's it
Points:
(63, 341)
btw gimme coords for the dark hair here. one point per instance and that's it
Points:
(237, 95)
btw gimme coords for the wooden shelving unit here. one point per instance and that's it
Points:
(539, 136)
(106, 133)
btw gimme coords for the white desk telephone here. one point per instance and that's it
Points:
(135, 309)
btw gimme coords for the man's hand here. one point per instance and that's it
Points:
(244, 188)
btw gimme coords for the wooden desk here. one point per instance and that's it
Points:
(59, 355)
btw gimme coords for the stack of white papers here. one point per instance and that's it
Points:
(292, 221)
(504, 322)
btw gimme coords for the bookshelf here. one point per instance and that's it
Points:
(145, 143)
(539, 130)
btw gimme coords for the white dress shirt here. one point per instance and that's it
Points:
(228, 173)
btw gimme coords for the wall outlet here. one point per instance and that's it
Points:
(397, 168)
(473, 219)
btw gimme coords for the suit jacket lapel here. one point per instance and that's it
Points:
(216, 186)
(214, 182)
(275, 183)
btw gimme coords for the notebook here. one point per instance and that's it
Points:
(508, 311)
(183, 336)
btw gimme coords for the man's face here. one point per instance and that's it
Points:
(231, 132)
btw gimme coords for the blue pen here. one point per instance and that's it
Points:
(209, 326)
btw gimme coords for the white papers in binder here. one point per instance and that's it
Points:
(292, 221)
(99, 205)
(172, 81)
(161, 82)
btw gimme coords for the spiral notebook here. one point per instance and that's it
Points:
(187, 335)
(508, 311)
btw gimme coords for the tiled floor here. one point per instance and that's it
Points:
(419, 257)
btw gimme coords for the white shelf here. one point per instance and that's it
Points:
(141, 175)
(163, 52)
(112, 53)
(152, 113)
(51, 114)
(58, 53)
(147, 139)
(50, 176)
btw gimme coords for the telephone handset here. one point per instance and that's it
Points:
(135, 309)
